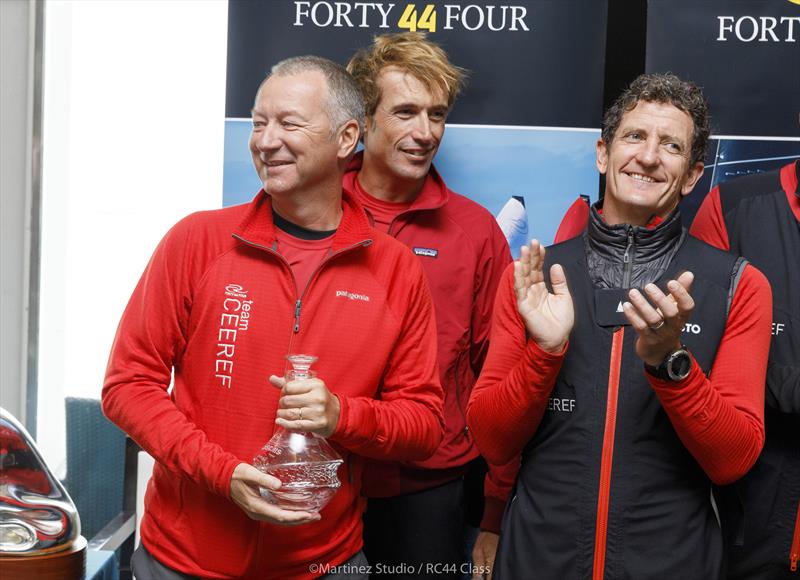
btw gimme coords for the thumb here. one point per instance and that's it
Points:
(277, 382)
(249, 474)
(558, 280)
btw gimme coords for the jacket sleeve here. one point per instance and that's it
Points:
(150, 340)
(498, 485)
(720, 418)
(708, 224)
(407, 422)
(493, 260)
(510, 397)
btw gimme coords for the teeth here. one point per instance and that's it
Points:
(640, 177)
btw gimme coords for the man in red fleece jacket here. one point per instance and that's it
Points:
(226, 295)
(626, 367)
(419, 512)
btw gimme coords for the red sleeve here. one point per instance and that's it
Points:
(497, 489)
(407, 423)
(510, 397)
(494, 259)
(574, 221)
(150, 339)
(720, 418)
(708, 224)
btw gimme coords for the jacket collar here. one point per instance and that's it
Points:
(651, 241)
(434, 193)
(258, 228)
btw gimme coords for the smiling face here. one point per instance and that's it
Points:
(647, 164)
(402, 136)
(291, 143)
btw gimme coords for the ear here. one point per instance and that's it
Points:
(692, 177)
(602, 156)
(347, 139)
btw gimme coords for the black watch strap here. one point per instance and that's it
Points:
(675, 367)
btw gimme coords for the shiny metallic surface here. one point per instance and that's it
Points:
(37, 515)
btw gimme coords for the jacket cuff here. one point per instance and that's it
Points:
(492, 515)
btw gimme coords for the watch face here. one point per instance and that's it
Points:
(679, 365)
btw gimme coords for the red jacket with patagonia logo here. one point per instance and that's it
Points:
(218, 305)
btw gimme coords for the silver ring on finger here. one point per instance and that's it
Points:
(300, 414)
(660, 323)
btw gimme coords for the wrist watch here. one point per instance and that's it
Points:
(675, 366)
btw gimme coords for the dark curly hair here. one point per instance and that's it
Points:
(663, 88)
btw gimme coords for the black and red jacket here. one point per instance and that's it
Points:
(758, 217)
(617, 466)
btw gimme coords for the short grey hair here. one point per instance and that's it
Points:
(344, 101)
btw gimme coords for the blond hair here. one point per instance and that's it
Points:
(411, 52)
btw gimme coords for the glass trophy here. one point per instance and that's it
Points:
(305, 462)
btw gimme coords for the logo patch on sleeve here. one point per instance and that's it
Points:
(429, 252)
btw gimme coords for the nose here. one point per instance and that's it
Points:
(422, 129)
(267, 138)
(648, 153)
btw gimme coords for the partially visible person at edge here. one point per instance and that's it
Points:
(418, 511)
(758, 217)
(227, 294)
(626, 367)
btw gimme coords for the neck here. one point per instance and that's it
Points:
(319, 213)
(384, 185)
(614, 216)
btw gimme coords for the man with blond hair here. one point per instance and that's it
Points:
(417, 511)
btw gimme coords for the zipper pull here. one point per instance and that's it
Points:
(297, 307)
(627, 258)
(793, 562)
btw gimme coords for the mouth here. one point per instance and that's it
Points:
(417, 153)
(641, 177)
(277, 163)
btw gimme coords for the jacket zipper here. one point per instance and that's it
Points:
(627, 259)
(604, 493)
(794, 554)
(298, 306)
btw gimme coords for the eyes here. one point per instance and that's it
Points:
(670, 145)
(435, 115)
(285, 123)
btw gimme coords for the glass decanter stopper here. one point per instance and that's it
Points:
(305, 462)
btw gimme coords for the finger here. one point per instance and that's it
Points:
(295, 425)
(301, 386)
(558, 280)
(252, 476)
(680, 293)
(277, 382)
(666, 303)
(639, 324)
(643, 308)
(686, 279)
(537, 260)
(520, 285)
(305, 400)
(270, 512)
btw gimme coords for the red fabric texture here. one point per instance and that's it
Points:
(719, 418)
(463, 253)
(303, 256)
(367, 314)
